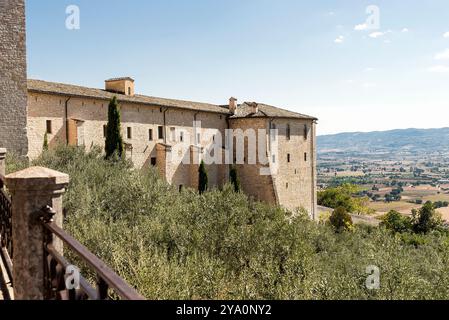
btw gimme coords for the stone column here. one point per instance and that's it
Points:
(13, 77)
(2, 162)
(31, 190)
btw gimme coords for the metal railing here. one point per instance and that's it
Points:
(56, 266)
(6, 250)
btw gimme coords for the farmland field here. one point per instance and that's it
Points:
(424, 193)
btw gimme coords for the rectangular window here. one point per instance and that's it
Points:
(286, 185)
(305, 156)
(198, 138)
(49, 129)
(306, 132)
(181, 136)
(288, 132)
(49, 126)
(173, 134)
(129, 91)
(288, 158)
(105, 131)
(153, 162)
(150, 134)
(129, 133)
(160, 132)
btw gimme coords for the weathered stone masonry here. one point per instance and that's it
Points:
(13, 83)
(152, 127)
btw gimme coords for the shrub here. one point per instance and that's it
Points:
(114, 140)
(341, 220)
(235, 181)
(222, 245)
(203, 179)
(426, 218)
(344, 196)
(45, 145)
(396, 222)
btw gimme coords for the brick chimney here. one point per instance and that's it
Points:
(120, 85)
(254, 107)
(232, 105)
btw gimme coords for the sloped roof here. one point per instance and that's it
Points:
(78, 91)
(245, 110)
(120, 78)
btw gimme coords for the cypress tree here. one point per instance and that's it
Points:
(114, 140)
(234, 179)
(45, 146)
(203, 180)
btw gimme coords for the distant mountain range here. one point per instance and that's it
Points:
(407, 141)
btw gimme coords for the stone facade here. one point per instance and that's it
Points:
(176, 139)
(13, 83)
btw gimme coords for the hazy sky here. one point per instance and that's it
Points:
(323, 58)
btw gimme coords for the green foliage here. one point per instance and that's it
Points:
(45, 145)
(235, 181)
(344, 196)
(203, 179)
(222, 245)
(441, 204)
(114, 140)
(15, 163)
(396, 222)
(426, 219)
(341, 220)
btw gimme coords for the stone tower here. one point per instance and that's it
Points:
(13, 77)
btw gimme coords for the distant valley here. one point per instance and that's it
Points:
(386, 144)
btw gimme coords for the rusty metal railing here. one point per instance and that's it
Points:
(6, 250)
(55, 269)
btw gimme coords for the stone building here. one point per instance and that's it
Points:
(176, 135)
(277, 164)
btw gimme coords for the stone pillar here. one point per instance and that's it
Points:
(31, 190)
(2, 162)
(13, 77)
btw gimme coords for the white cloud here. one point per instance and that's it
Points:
(439, 69)
(361, 27)
(442, 55)
(340, 39)
(369, 85)
(446, 35)
(378, 34)
(405, 30)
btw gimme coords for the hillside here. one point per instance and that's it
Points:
(407, 141)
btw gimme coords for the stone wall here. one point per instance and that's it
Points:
(258, 186)
(91, 115)
(295, 181)
(13, 86)
(294, 186)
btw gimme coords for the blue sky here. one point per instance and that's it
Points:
(313, 57)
